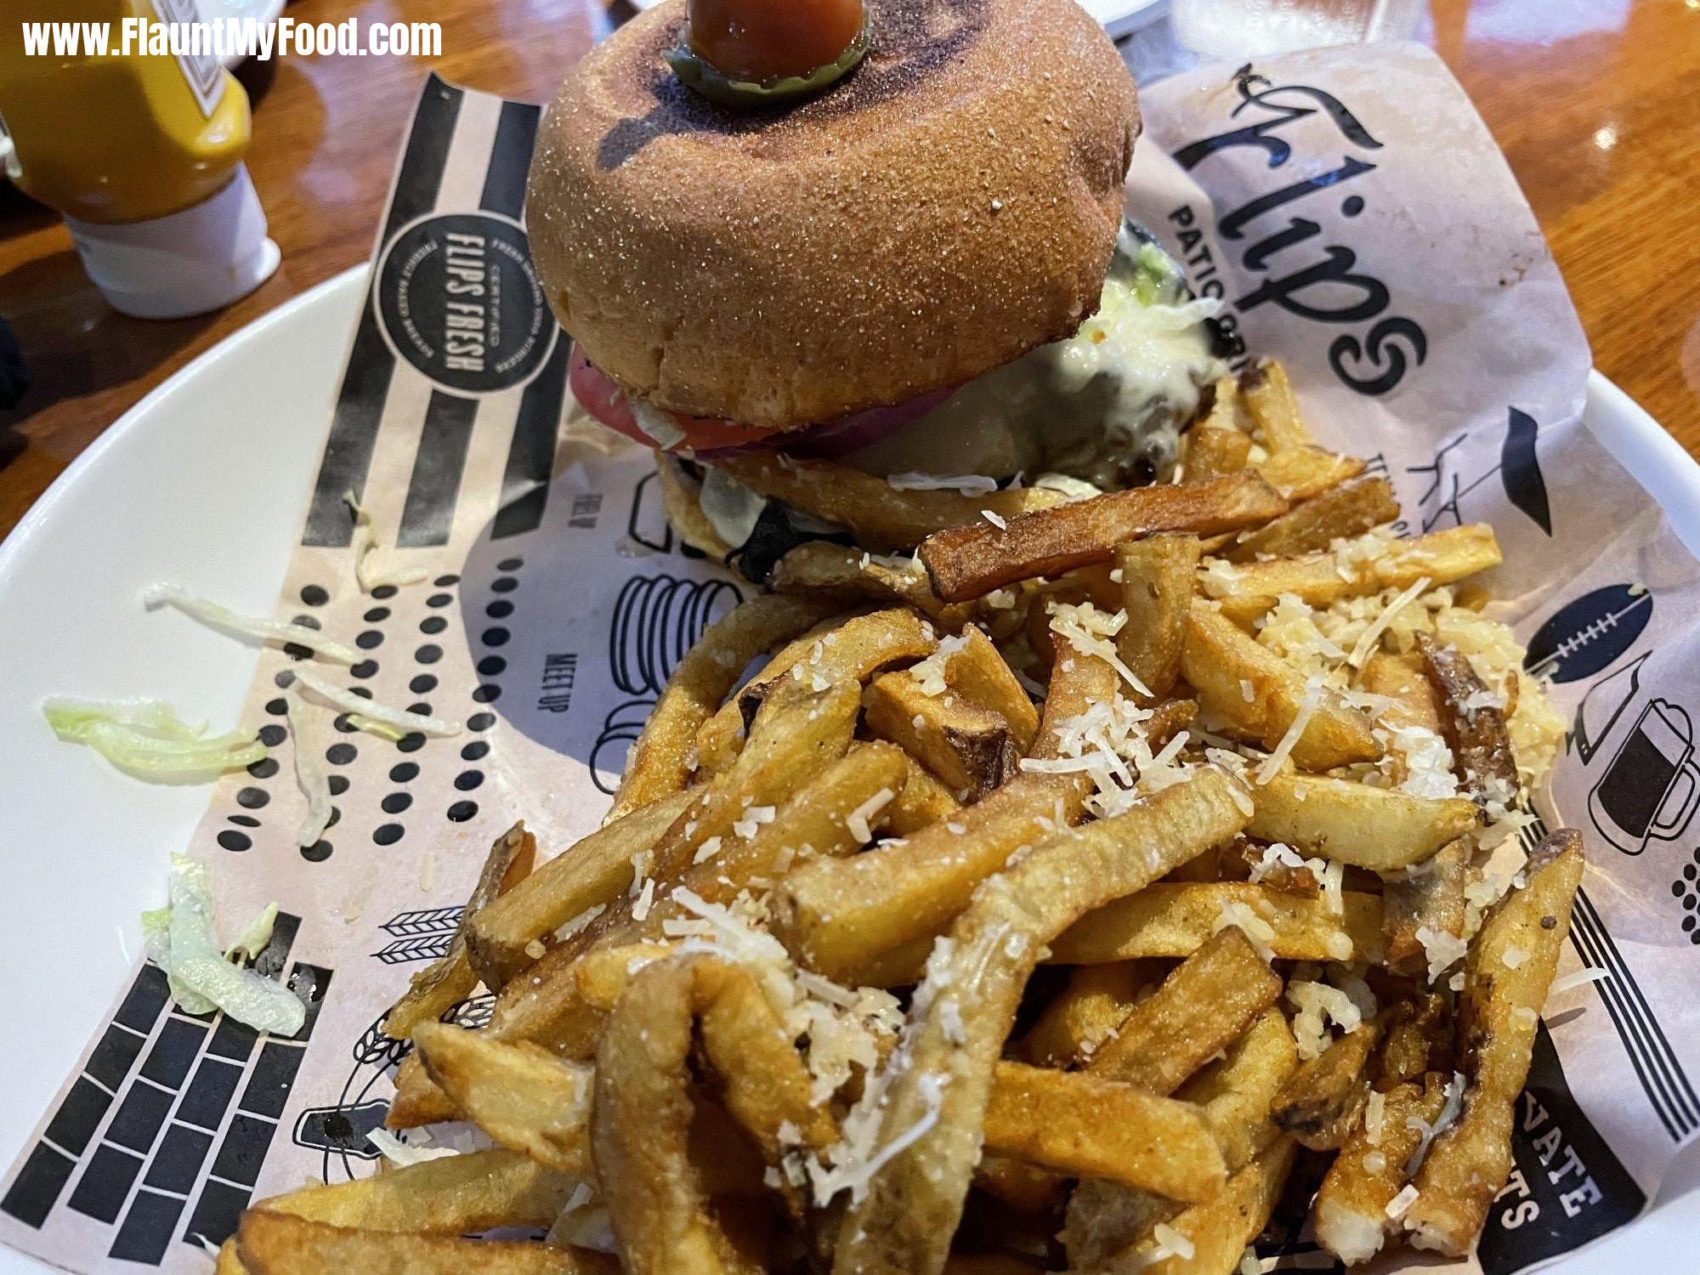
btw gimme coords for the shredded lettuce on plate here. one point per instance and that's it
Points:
(220, 617)
(369, 711)
(365, 545)
(180, 940)
(147, 739)
(310, 774)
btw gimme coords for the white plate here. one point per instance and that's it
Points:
(205, 481)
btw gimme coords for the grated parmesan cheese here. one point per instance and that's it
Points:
(1089, 630)
(1592, 974)
(930, 673)
(857, 819)
(1170, 1243)
(1514, 958)
(1400, 1204)
(1443, 950)
(1375, 1118)
(1237, 912)
(997, 520)
(1273, 763)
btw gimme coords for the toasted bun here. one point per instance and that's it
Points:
(951, 205)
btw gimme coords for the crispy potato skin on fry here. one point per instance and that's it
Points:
(821, 567)
(1083, 1125)
(969, 561)
(1469, 1163)
(1351, 1207)
(452, 979)
(521, 1095)
(1320, 579)
(1177, 918)
(970, 747)
(590, 873)
(1221, 1228)
(1205, 1004)
(277, 1244)
(1473, 724)
(1220, 661)
(880, 516)
(904, 1222)
(1157, 578)
(447, 1196)
(640, 1131)
(838, 916)
(1364, 827)
(659, 762)
(1214, 452)
(1339, 513)
(1086, 1012)
(1235, 1093)
(1432, 898)
(1321, 1102)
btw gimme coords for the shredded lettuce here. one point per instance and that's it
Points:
(365, 545)
(310, 773)
(215, 616)
(369, 711)
(147, 739)
(252, 941)
(181, 941)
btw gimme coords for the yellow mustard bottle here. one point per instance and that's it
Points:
(139, 148)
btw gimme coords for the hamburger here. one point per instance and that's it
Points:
(890, 239)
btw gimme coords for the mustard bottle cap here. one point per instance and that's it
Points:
(189, 262)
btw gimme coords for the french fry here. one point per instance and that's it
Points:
(971, 748)
(1220, 1229)
(906, 1218)
(1268, 398)
(1304, 473)
(1401, 678)
(795, 734)
(1204, 1005)
(523, 1096)
(1246, 592)
(451, 979)
(1352, 823)
(968, 561)
(446, 1196)
(1351, 1206)
(1024, 1187)
(975, 671)
(278, 1244)
(1342, 512)
(880, 516)
(1086, 1013)
(1236, 862)
(850, 574)
(1417, 1037)
(1468, 1164)
(1223, 665)
(1321, 1102)
(1214, 452)
(720, 738)
(852, 652)
(640, 1131)
(545, 1005)
(1157, 585)
(1176, 918)
(923, 799)
(660, 760)
(1235, 1092)
(1076, 685)
(1428, 896)
(837, 916)
(1083, 1125)
(1473, 720)
(502, 936)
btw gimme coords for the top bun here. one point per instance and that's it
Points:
(948, 207)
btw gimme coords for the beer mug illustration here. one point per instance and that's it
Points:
(1651, 788)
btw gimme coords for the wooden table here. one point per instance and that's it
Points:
(1598, 120)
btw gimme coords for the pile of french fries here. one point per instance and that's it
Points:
(1023, 911)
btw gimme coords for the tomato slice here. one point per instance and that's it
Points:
(602, 397)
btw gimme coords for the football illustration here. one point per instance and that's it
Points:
(1584, 636)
